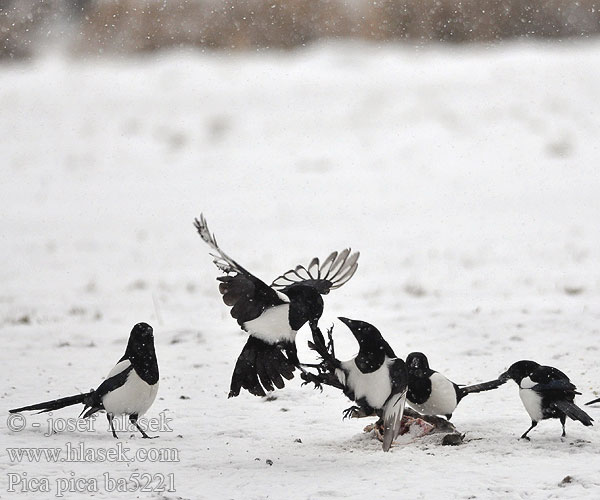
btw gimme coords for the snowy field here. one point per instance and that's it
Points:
(467, 178)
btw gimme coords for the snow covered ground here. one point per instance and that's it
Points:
(467, 178)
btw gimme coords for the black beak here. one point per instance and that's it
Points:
(346, 321)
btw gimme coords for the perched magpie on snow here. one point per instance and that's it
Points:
(272, 315)
(129, 389)
(430, 393)
(375, 379)
(546, 393)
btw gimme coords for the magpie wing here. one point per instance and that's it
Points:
(116, 378)
(247, 295)
(335, 271)
(549, 380)
(393, 410)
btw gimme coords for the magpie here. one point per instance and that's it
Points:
(430, 393)
(375, 379)
(273, 314)
(129, 388)
(546, 392)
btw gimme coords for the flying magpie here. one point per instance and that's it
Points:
(130, 387)
(272, 315)
(546, 392)
(375, 379)
(430, 393)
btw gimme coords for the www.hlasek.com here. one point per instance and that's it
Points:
(85, 453)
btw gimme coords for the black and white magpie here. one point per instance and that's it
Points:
(546, 392)
(375, 379)
(272, 315)
(129, 388)
(430, 393)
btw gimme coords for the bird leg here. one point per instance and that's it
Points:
(533, 424)
(563, 419)
(112, 428)
(133, 420)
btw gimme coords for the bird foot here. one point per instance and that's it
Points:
(308, 378)
(352, 412)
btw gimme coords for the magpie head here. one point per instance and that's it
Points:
(518, 371)
(141, 340)
(306, 305)
(417, 364)
(362, 331)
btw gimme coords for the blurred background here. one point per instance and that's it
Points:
(130, 26)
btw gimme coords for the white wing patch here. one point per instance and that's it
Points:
(442, 400)
(272, 325)
(119, 367)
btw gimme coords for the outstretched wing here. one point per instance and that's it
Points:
(393, 410)
(336, 270)
(247, 295)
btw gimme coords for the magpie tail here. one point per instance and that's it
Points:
(484, 386)
(261, 368)
(55, 404)
(573, 411)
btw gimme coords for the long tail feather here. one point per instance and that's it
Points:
(54, 404)
(392, 419)
(573, 411)
(484, 386)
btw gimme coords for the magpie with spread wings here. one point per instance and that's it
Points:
(273, 314)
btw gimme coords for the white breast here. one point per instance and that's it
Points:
(375, 387)
(134, 397)
(532, 401)
(442, 400)
(272, 325)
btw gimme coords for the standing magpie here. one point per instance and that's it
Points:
(272, 315)
(430, 393)
(546, 392)
(375, 379)
(129, 389)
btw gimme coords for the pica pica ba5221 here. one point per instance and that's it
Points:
(272, 315)
(129, 389)
(546, 392)
(430, 393)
